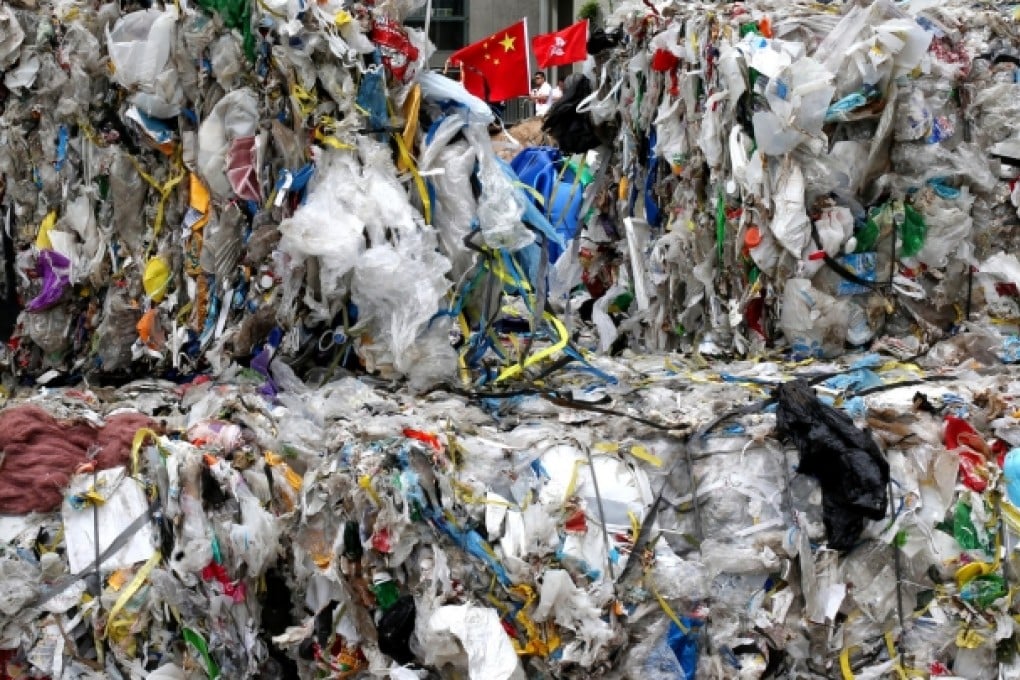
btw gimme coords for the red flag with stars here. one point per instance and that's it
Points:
(496, 68)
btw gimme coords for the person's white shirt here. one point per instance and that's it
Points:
(557, 94)
(543, 98)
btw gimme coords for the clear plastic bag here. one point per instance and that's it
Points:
(324, 227)
(815, 324)
(499, 207)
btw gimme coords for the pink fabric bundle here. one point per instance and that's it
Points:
(40, 453)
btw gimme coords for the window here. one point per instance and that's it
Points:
(448, 28)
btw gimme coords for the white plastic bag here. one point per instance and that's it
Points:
(236, 115)
(139, 46)
(439, 89)
(815, 324)
(790, 224)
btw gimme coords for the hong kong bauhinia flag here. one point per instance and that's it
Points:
(496, 68)
(562, 47)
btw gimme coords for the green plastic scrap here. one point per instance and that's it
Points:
(913, 232)
(963, 528)
(198, 642)
(235, 14)
(985, 590)
(868, 236)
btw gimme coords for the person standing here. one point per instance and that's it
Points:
(541, 93)
(557, 93)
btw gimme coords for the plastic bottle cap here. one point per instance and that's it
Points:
(752, 237)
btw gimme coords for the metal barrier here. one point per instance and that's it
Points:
(517, 110)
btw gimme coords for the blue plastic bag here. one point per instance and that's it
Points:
(561, 189)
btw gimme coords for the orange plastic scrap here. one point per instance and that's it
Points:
(148, 329)
(199, 202)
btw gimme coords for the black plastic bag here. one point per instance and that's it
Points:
(845, 460)
(574, 132)
(395, 628)
(601, 41)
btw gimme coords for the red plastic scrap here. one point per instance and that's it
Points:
(428, 438)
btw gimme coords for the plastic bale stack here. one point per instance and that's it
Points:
(779, 175)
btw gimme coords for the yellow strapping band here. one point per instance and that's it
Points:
(117, 630)
(844, 664)
(42, 241)
(136, 446)
(541, 355)
(669, 610)
(164, 190)
(419, 183)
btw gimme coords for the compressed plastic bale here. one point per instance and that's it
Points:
(499, 207)
(949, 227)
(383, 279)
(20, 579)
(222, 243)
(455, 204)
(325, 227)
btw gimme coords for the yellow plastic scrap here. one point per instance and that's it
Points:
(539, 643)
(117, 579)
(136, 446)
(365, 482)
(42, 241)
(542, 355)
(276, 460)
(641, 453)
(572, 486)
(968, 638)
(156, 278)
(303, 100)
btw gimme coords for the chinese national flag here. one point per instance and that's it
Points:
(562, 47)
(496, 68)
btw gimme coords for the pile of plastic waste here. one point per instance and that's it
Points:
(193, 186)
(747, 520)
(796, 176)
(408, 409)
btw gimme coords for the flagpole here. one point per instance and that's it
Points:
(428, 17)
(527, 52)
